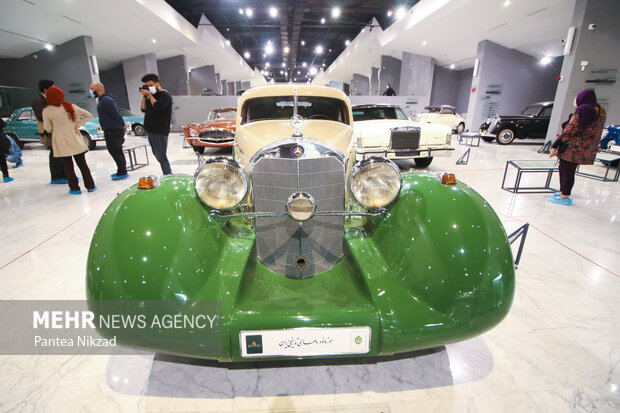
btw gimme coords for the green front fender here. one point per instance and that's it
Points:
(436, 269)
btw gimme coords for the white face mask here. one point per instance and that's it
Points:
(152, 89)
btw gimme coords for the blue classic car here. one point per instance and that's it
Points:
(133, 123)
(21, 125)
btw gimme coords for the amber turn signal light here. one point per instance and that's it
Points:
(447, 178)
(147, 182)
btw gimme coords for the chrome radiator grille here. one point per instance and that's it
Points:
(283, 244)
(216, 135)
(407, 137)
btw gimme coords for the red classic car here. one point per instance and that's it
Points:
(217, 131)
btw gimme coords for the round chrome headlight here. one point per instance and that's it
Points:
(193, 132)
(221, 183)
(301, 206)
(375, 182)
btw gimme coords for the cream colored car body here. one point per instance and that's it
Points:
(448, 117)
(373, 138)
(253, 136)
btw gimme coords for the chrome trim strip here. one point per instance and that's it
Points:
(224, 214)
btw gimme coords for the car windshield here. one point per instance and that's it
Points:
(308, 107)
(530, 110)
(430, 109)
(225, 114)
(374, 113)
(126, 113)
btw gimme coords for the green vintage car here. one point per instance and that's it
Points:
(304, 252)
(22, 127)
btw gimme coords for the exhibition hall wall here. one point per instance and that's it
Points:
(133, 69)
(390, 73)
(452, 87)
(172, 74)
(592, 45)
(114, 82)
(507, 81)
(360, 85)
(416, 77)
(204, 77)
(69, 65)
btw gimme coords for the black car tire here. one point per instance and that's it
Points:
(138, 130)
(460, 128)
(505, 136)
(487, 139)
(16, 139)
(88, 140)
(423, 162)
(199, 149)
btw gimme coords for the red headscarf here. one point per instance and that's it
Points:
(55, 96)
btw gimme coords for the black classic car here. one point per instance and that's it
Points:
(533, 122)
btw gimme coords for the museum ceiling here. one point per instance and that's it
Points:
(290, 39)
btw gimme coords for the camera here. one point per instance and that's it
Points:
(143, 87)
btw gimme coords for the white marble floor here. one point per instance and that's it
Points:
(557, 351)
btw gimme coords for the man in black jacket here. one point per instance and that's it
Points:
(389, 91)
(57, 171)
(113, 127)
(157, 108)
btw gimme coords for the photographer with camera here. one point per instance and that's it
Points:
(157, 108)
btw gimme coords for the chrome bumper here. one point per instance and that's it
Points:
(403, 154)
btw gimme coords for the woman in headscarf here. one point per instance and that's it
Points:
(578, 142)
(63, 120)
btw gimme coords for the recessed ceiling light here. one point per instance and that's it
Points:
(286, 49)
(49, 46)
(336, 12)
(313, 70)
(347, 42)
(304, 64)
(246, 55)
(227, 29)
(269, 48)
(452, 66)
(228, 42)
(330, 50)
(389, 13)
(318, 49)
(299, 71)
(281, 72)
(424, 43)
(303, 42)
(283, 64)
(249, 12)
(400, 12)
(507, 3)
(154, 40)
(267, 64)
(545, 60)
(273, 12)
(240, 11)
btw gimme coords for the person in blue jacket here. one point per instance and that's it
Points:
(113, 127)
(9, 152)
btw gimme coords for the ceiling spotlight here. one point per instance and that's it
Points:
(267, 64)
(241, 11)
(322, 20)
(452, 66)
(303, 42)
(330, 50)
(424, 43)
(286, 49)
(400, 12)
(545, 60)
(154, 40)
(50, 46)
(283, 64)
(228, 29)
(336, 12)
(281, 72)
(269, 48)
(299, 72)
(246, 55)
(273, 12)
(304, 64)
(313, 70)
(323, 65)
(249, 12)
(507, 3)
(389, 13)
(347, 42)
(227, 42)
(318, 49)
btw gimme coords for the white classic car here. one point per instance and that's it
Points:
(443, 115)
(385, 130)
